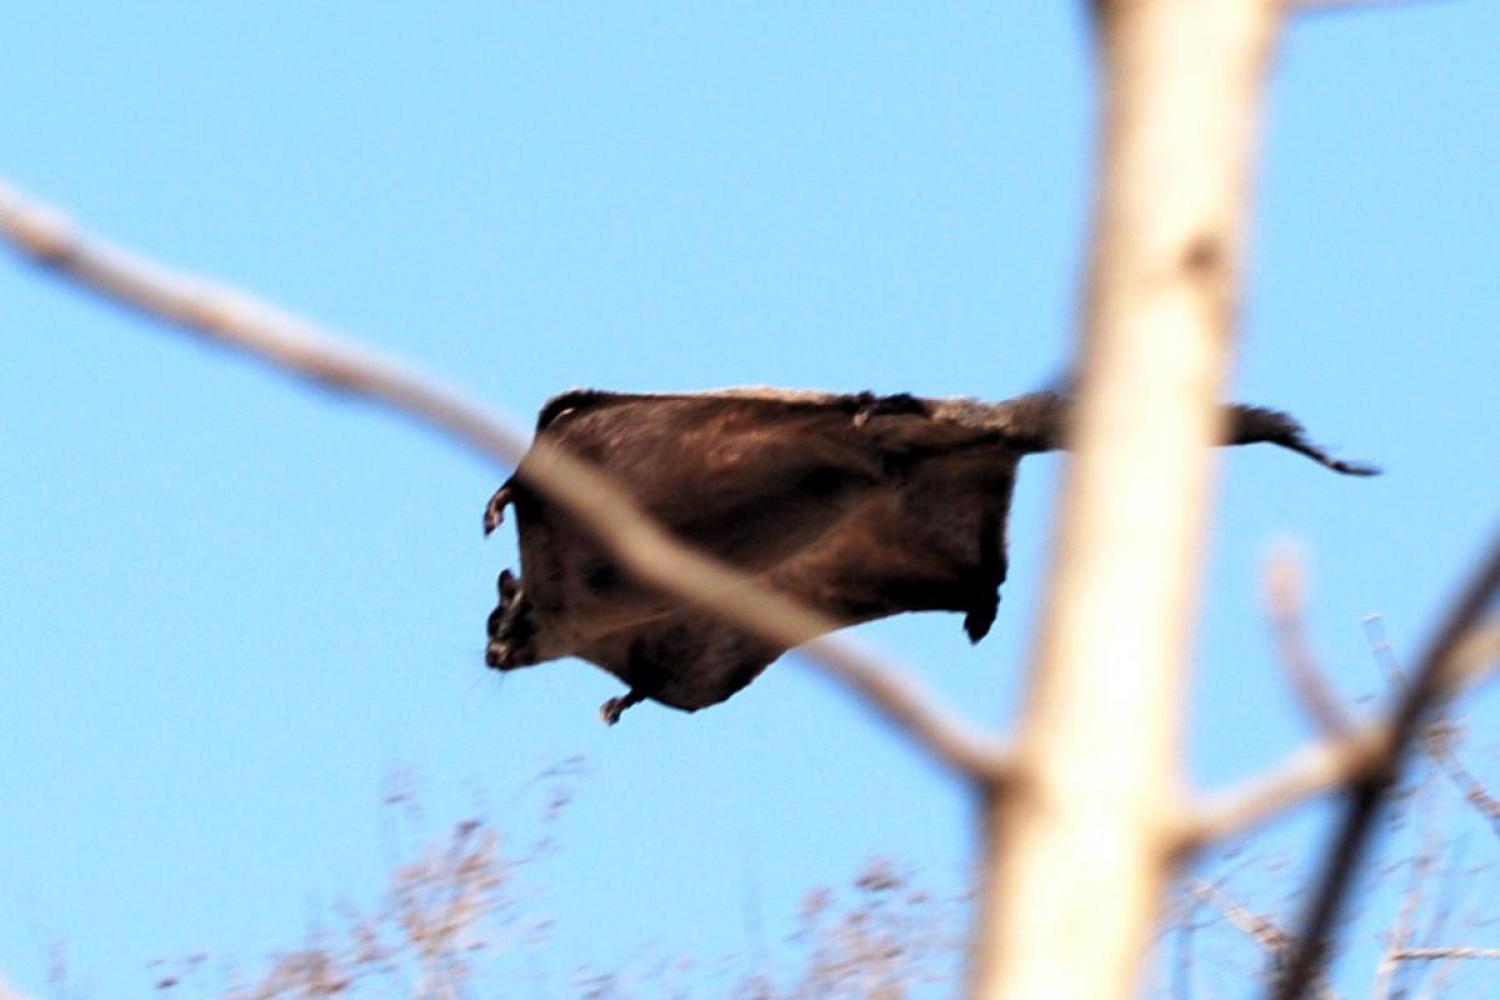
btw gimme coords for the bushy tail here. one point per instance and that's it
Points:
(1037, 422)
(1257, 424)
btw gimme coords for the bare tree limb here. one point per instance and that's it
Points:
(229, 318)
(1382, 650)
(1286, 599)
(290, 344)
(1072, 895)
(1433, 677)
(1258, 928)
(1325, 765)
(1443, 954)
(1310, 771)
(1337, 6)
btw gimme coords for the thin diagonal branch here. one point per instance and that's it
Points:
(1474, 792)
(1271, 936)
(1433, 676)
(1444, 954)
(292, 345)
(1258, 928)
(1382, 650)
(1348, 6)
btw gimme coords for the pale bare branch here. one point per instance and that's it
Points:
(1334, 6)
(1285, 588)
(1311, 771)
(1382, 650)
(1443, 954)
(1331, 764)
(1073, 894)
(232, 319)
(1434, 677)
(290, 344)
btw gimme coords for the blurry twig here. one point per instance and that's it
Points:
(1332, 6)
(290, 344)
(1406, 916)
(1438, 743)
(1182, 975)
(1443, 954)
(445, 910)
(1441, 736)
(1264, 931)
(1382, 650)
(1260, 929)
(1286, 601)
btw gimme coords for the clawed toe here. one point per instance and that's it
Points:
(612, 709)
(494, 511)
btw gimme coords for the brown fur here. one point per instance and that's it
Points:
(860, 506)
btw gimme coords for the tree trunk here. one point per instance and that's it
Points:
(1080, 847)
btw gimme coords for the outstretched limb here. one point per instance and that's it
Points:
(979, 618)
(612, 709)
(494, 511)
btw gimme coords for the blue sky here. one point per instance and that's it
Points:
(231, 607)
